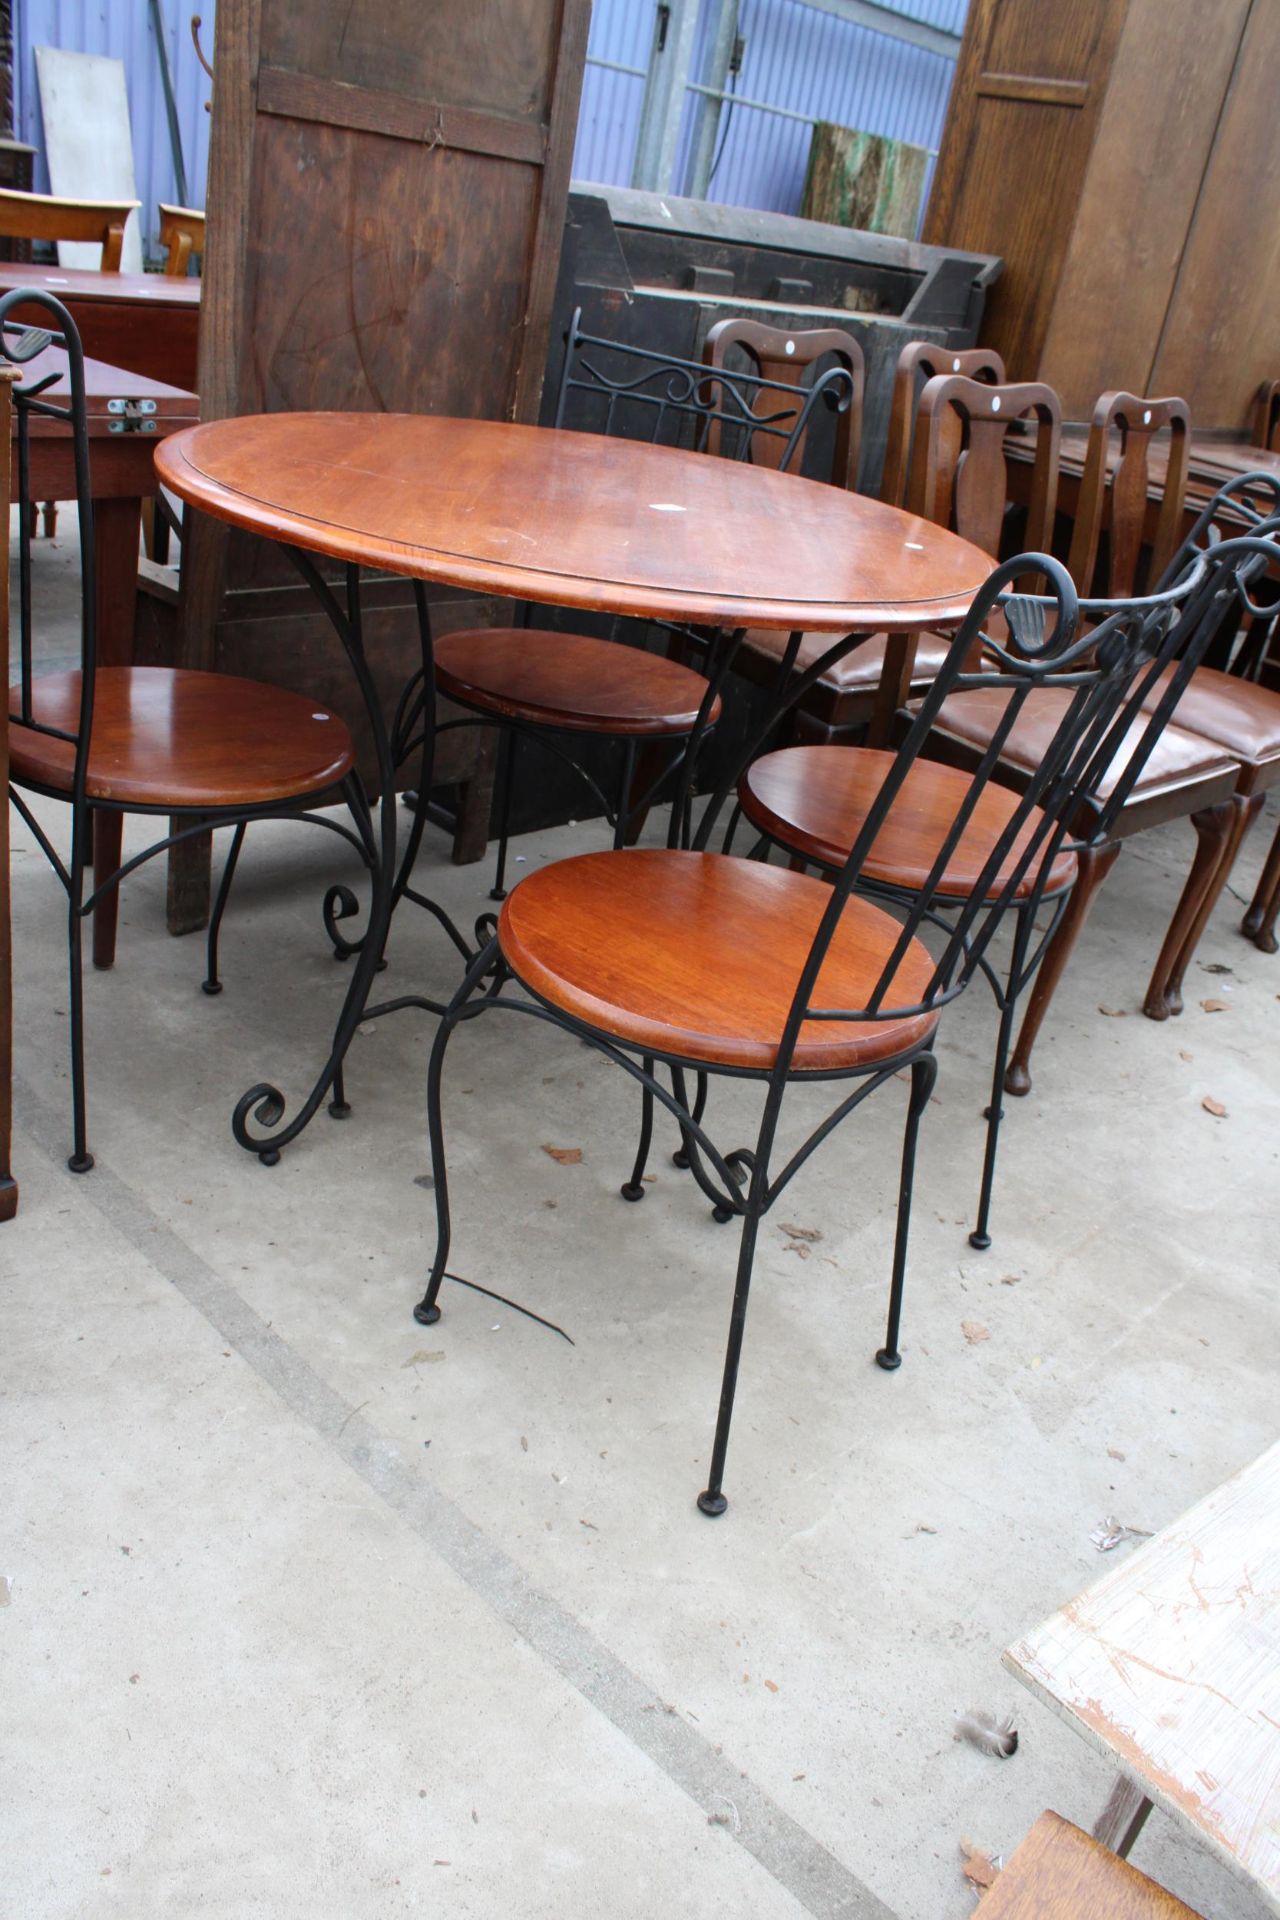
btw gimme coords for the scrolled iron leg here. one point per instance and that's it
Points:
(498, 891)
(980, 1238)
(211, 982)
(924, 1071)
(427, 1311)
(81, 1159)
(711, 1500)
(680, 1158)
(633, 1189)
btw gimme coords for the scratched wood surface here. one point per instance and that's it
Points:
(1171, 1665)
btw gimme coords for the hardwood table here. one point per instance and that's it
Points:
(1171, 1666)
(147, 322)
(128, 414)
(564, 519)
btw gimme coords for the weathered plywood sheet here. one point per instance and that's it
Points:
(1172, 1665)
(88, 143)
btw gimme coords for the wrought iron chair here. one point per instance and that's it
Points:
(958, 478)
(208, 748)
(687, 962)
(544, 687)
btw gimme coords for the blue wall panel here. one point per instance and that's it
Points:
(122, 30)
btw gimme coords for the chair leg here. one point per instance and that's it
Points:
(633, 1189)
(711, 1500)
(981, 1237)
(81, 1159)
(1260, 921)
(108, 834)
(1218, 833)
(624, 796)
(680, 1158)
(427, 1311)
(924, 1071)
(211, 982)
(1095, 864)
(498, 891)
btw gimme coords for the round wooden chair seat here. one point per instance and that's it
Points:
(570, 681)
(166, 737)
(698, 955)
(815, 800)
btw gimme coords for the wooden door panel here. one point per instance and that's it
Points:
(1139, 193)
(1221, 339)
(498, 59)
(410, 278)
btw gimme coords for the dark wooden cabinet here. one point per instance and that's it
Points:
(387, 189)
(1121, 156)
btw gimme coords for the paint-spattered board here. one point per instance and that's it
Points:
(1171, 1665)
(88, 143)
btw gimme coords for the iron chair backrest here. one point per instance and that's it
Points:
(1115, 494)
(781, 353)
(1108, 667)
(1266, 417)
(1249, 503)
(641, 395)
(19, 345)
(959, 473)
(919, 362)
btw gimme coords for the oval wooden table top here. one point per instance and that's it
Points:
(574, 519)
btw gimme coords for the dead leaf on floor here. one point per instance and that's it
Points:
(1215, 1006)
(564, 1156)
(798, 1247)
(1184, 1055)
(800, 1233)
(1215, 1107)
(524, 1443)
(1213, 966)
(1114, 1453)
(1110, 1532)
(1010, 1279)
(980, 1869)
(1114, 1013)
(422, 1358)
(772, 1685)
(974, 1332)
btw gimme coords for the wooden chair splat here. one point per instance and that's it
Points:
(1117, 496)
(919, 362)
(782, 354)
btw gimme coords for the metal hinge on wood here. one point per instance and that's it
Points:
(131, 416)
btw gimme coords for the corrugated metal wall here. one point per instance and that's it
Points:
(122, 30)
(808, 62)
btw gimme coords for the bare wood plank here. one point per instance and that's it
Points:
(1123, 1817)
(1171, 1666)
(1041, 92)
(430, 123)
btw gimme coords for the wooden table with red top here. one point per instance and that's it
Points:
(147, 322)
(128, 414)
(569, 520)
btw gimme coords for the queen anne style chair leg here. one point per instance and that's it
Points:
(1095, 864)
(1259, 923)
(1219, 830)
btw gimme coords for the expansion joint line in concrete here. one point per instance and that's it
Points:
(786, 1850)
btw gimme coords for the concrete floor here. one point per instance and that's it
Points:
(318, 1612)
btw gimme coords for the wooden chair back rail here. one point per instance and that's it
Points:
(1122, 505)
(1266, 417)
(779, 354)
(182, 233)
(958, 473)
(41, 216)
(920, 361)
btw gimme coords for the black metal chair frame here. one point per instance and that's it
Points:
(1221, 620)
(709, 410)
(1108, 670)
(19, 344)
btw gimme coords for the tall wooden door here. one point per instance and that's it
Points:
(387, 191)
